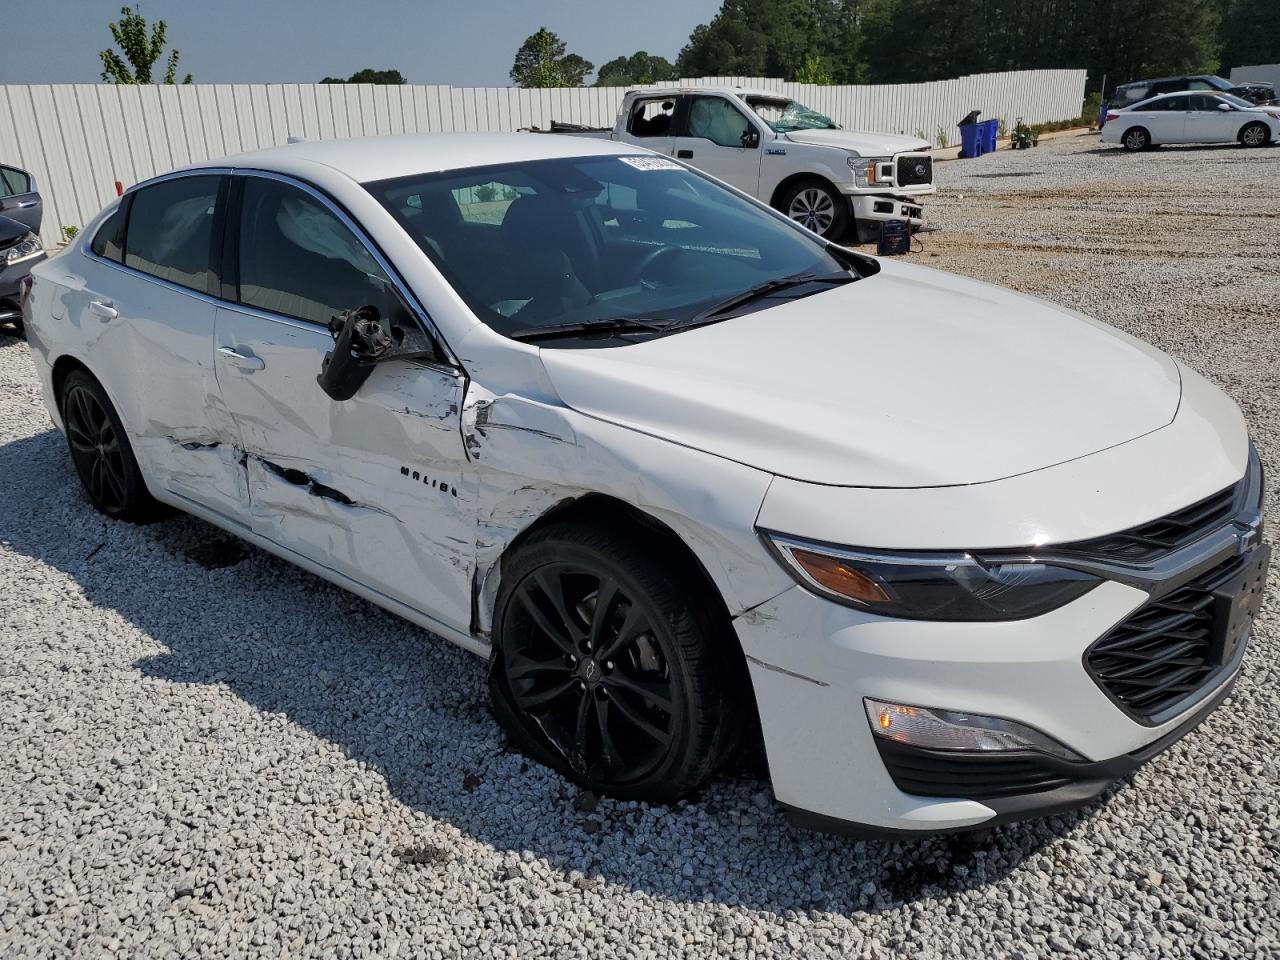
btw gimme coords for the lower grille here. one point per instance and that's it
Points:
(1170, 648)
(912, 171)
(978, 776)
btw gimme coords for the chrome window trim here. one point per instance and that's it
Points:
(420, 314)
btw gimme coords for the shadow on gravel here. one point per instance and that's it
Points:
(414, 709)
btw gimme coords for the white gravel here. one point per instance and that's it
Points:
(205, 751)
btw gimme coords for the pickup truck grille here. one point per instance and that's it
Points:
(914, 170)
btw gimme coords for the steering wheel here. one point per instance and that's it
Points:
(650, 259)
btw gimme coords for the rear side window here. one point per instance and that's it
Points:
(171, 230)
(298, 259)
(14, 182)
(108, 241)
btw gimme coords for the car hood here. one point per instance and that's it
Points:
(863, 144)
(908, 378)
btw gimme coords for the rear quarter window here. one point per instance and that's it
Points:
(107, 242)
(170, 232)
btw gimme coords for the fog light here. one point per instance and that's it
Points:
(933, 729)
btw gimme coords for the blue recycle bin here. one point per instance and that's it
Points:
(991, 130)
(971, 140)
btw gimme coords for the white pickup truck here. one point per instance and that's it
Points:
(780, 151)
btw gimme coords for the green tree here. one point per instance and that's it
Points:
(369, 75)
(1250, 33)
(638, 68)
(541, 61)
(814, 69)
(140, 51)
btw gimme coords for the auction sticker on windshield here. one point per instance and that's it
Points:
(651, 163)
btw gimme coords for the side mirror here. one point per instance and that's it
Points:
(750, 138)
(1224, 107)
(361, 341)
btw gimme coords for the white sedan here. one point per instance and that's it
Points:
(1192, 117)
(670, 462)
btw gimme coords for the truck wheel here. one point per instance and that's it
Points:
(608, 669)
(816, 204)
(1255, 135)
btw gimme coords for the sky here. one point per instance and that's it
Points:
(466, 43)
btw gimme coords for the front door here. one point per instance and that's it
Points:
(371, 486)
(717, 137)
(18, 198)
(1206, 123)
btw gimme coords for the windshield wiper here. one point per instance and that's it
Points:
(762, 290)
(610, 325)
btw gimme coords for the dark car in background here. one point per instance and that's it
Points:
(1127, 94)
(20, 246)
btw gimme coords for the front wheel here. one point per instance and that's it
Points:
(1255, 135)
(1135, 139)
(819, 206)
(603, 666)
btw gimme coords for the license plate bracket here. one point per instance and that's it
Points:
(1236, 603)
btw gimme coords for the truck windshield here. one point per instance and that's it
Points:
(587, 243)
(786, 115)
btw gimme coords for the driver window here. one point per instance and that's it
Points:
(1204, 103)
(298, 259)
(717, 120)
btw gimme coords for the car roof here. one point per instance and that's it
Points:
(366, 159)
(735, 91)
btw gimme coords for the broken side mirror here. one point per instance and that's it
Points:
(362, 339)
(750, 138)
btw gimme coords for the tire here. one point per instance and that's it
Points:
(816, 204)
(1136, 139)
(1255, 134)
(652, 707)
(101, 452)
(866, 232)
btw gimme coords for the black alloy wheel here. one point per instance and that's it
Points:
(101, 452)
(601, 671)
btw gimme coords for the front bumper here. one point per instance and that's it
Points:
(872, 207)
(10, 277)
(832, 773)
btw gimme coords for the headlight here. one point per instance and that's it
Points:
(24, 249)
(930, 586)
(871, 171)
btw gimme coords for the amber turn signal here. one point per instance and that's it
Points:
(839, 577)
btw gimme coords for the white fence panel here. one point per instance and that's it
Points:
(78, 140)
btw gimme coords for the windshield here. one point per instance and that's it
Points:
(1234, 100)
(785, 115)
(592, 239)
(1219, 83)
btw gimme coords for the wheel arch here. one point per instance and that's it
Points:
(1254, 123)
(793, 180)
(62, 368)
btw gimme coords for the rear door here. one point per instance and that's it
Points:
(18, 197)
(715, 136)
(1166, 119)
(371, 486)
(1206, 123)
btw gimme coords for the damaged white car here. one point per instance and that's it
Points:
(671, 461)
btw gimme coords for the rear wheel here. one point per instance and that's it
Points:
(816, 204)
(603, 666)
(101, 452)
(1136, 138)
(1255, 135)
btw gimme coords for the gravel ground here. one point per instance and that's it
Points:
(205, 751)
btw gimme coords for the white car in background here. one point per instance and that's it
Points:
(1192, 117)
(670, 461)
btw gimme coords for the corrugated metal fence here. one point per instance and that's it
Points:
(79, 139)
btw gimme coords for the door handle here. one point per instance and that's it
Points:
(684, 154)
(29, 203)
(243, 361)
(104, 310)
